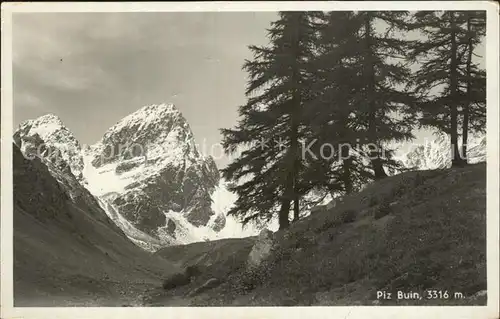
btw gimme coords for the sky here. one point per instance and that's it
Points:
(92, 69)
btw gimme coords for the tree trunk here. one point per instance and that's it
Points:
(293, 194)
(346, 170)
(283, 214)
(376, 162)
(456, 159)
(296, 210)
(347, 176)
(378, 168)
(465, 128)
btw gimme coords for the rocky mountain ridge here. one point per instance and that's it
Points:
(434, 152)
(152, 156)
(150, 178)
(146, 173)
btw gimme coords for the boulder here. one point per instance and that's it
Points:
(181, 279)
(193, 271)
(171, 226)
(262, 249)
(176, 280)
(331, 204)
(219, 222)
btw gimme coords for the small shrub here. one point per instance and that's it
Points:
(249, 280)
(331, 236)
(176, 280)
(419, 180)
(348, 216)
(181, 279)
(382, 210)
(422, 192)
(328, 224)
(399, 190)
(350, 268)
(193, 271)
(373, 201)
(304, 242)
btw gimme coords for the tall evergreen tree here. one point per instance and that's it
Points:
(388, 106)
(474, 106)
(271, 124)
(448, 82)
(359, 96)
(330, 111)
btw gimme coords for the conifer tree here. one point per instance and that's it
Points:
(448, 82)
(474, 106)
(388, 106)
(330, 111)
(359, 98)
(271, 124)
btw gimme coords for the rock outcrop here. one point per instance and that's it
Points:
(261, 250)
(48, 135)
(151, 154)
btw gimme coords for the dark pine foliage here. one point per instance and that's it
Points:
(333, 90)
(271, 124)
(473, 79)
(359, 103)
(448, 82)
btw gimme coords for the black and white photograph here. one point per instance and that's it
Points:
(326, 156)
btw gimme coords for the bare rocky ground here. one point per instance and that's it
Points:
(411, 232)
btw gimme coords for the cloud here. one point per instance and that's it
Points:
(91, 69)
(30, 100)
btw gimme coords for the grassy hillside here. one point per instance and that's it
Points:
(219, 253)
(216, 259)
(409, 233)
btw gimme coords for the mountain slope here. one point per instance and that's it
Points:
(146, 173)
(411, 232)
(153, 159)
(57, 140)
(53, 143)
(66, 250)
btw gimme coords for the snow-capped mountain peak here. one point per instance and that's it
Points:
(146, 172)
(435, 152)
(50, 134)
(156, 132)
(45, 126)
(148, 115)
(148, 167)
